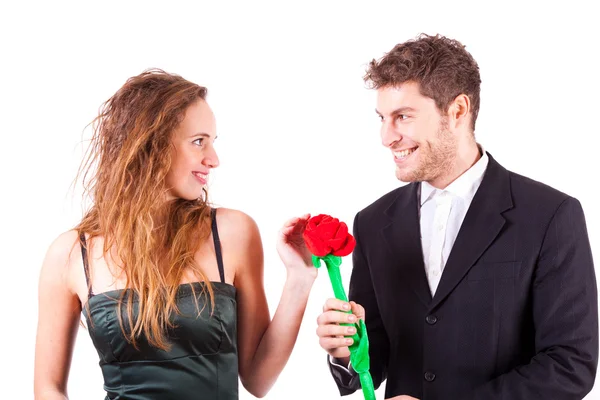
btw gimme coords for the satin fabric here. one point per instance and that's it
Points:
(201, 363)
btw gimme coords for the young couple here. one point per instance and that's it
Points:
(474, 282)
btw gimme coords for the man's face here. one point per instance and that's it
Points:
(417, 134)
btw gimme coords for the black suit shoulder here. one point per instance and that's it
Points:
(381, 204)
(373, 217)
(534, 196)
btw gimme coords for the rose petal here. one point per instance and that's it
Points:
(327, 235)
(342, 231)
(316, 246)
(316, 220)
(347, 248)
(340, 237)
(314, 242)
(327, 229)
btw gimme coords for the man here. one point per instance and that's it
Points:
(476, 282)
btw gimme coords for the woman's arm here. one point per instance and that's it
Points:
(58, 318)
(265, 346)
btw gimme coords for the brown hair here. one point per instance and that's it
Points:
(124, 175)
(441, 66)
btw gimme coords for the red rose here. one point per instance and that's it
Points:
(327, 235)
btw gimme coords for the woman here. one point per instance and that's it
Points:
(171, 289)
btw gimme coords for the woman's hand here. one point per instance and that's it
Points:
(292, 250)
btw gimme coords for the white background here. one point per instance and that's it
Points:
(297, 128)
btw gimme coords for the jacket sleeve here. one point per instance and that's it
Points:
(565, 318)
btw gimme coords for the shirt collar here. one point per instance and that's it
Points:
(464, 186)
(427, 192)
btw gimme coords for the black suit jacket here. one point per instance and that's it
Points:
(515, 315)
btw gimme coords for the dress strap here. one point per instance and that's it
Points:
(215, 234)
(86, 267)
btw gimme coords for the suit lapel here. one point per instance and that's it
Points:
(402, 237)
(482, 223)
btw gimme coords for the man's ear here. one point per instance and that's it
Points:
(459, 112)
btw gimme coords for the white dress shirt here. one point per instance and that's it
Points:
(440, 217)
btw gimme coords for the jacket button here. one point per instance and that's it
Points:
(429, 376)
(431, 319)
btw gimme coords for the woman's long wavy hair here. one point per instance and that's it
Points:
(152, 240)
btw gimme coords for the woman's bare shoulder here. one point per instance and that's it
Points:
(241, 241)
(235, 223)
(61, 256)
(63, 246)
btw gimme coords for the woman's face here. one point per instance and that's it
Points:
(194, 154)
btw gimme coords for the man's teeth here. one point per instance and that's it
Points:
(403, 153)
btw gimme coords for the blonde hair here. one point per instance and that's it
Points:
(124, 175)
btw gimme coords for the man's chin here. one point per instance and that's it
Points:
(405, 176)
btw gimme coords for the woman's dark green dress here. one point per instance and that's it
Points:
(202, 362)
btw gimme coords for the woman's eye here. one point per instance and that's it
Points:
(198, 142)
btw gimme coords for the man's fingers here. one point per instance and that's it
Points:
(336, 304)
(329, 343)
(333, 337)
(358, 310)
(335, 330)
(336, 317)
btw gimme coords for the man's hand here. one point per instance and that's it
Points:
(331, 334)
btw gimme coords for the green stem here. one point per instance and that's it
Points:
(359, 349)
(335, 277)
